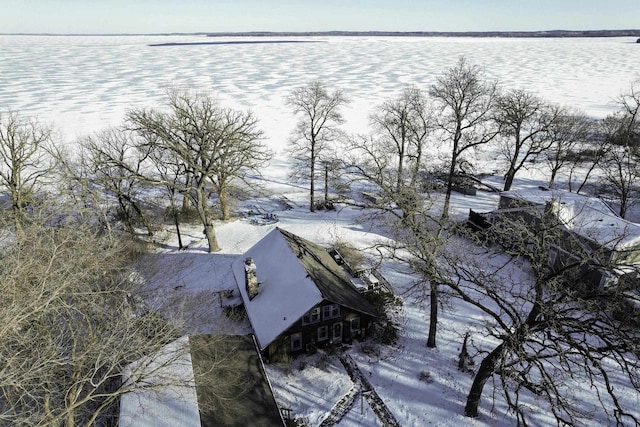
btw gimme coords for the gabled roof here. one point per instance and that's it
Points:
(589, 217)
(231, 384)
(295, 275)
(207, 380)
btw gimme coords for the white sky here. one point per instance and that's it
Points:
(160, 16)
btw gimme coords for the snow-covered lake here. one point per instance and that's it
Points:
(84, 83)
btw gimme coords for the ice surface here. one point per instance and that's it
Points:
(85, 83)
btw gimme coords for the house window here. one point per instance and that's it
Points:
(296, 341)
(312, 316)
(355, 325)
(323, 333)
(330, 311)
(337, 332)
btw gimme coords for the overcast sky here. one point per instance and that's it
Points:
(160, 16)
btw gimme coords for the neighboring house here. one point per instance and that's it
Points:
(297, 297)
(201, 380)
(587, 227)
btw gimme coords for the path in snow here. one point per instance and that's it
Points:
(342, 407)
(373, 399)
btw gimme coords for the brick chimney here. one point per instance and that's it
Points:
(251, 278)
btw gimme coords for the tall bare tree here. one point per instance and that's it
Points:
(570, 135)
(317, 127)
(390, 159)
(26, 159)
(622, 134)
(115, 163)
(402, 126)
(464, 99)
(549, 324)
(214, 147)
(72, 317)
(523, 120)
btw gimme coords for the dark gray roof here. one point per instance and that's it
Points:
(332, 281)
(231, 384)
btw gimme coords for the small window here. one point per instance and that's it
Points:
(323, 333)
(296, 341)
(312, 316)
(355, 325)
(330, 311)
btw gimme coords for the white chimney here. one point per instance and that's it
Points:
(251, 278)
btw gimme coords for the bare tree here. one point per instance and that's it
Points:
(418, 244)
(213, 146)
(569, 135)
(549, 323)
(115, 163)
(465, 101)
(317, 127)
(393, 155)
(620, 169)
(390, 160)
(622, 134)
(26, 159)
(524, 120)
(240, 157)
(72, 317)
(402, 126)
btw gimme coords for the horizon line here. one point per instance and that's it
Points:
(511, 33)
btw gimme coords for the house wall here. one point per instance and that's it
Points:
(345, 327)
(565, 247)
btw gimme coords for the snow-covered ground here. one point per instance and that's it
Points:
(82, 84)
(311, 386)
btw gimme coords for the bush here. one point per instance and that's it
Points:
(425, 377)
(385, 331)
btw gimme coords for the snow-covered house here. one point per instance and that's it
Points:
(588, 226)
(201, 380)
(297, 297)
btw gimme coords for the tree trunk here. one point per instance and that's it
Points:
(486, 370)
(400, 180)
(176, 220)
(511, 172)
(207, 221)
(552, 179)
(143, 217)
(125, 214)
(210, 233)
(508, 179)
(433, 315)
(223, 198)
(312, 184)
(623, 204)
(326, 185)
(447, 197)
(185, 203)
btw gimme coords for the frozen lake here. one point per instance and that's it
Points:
(84, 83)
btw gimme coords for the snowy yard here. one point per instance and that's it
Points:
(420, 386)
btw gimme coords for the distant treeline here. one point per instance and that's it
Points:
(542, 34)
(555, 33)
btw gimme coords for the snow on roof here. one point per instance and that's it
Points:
(230, 388)
(286, 290)
(295, 275)
(175, 404)
(589, 217)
